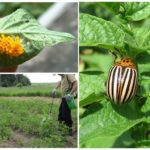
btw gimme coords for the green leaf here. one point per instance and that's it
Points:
(34, 36)
(140, 133)
(145, 108)
(145, 87)
(138, 40)
(137, 34)
(136, 11)
(144, 69)
(107, 125)
(92, 99)
(104, 64)
(143, 58)
(91, 85)
(95, 31)
(81, 111)
(143, 144)
(141, 35)
(112, 6)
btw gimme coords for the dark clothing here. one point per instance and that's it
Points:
(65, 113)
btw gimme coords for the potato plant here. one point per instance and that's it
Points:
(33, 120)
(109, 32)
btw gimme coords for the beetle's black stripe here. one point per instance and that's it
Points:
(126, 86)
(123, 84)
(116, 77)
(113, 83)
(119, 83)
(123, 70)
(135, 85)
(132, 90)
(110, 82)
(129, 86)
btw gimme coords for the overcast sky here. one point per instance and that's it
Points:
(43, 77)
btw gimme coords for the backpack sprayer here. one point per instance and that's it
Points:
(70, 100)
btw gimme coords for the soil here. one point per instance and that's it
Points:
(71, 140)
(20, 140)
(17, 140)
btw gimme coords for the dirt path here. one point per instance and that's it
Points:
(20, 140)
(72, 141)
(17, 140)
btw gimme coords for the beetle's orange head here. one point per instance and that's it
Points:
(126, 62)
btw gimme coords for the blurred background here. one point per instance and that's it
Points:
(103, 10)
(61, 17)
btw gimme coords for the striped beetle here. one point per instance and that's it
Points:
(121, 84)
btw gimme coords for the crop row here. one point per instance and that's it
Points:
(31, 118)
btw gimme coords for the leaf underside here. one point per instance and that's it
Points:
(34, 36)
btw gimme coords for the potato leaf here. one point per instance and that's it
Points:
(136, 11)
(102, 127)
(95, 31)
(91, 85)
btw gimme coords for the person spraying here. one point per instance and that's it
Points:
(68, 85)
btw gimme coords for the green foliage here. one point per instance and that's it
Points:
(19, 85)
(99, 9)
(56, 141)
(98, 32)
(36, 89)
(124, 33)
(5, 131)
(108, 123)
(34, 36)
(24, 80)
(92, 90)
(9, 80)
(136, 11)
(32, 118)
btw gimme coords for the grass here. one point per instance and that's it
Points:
(32, 119)
(36, 89)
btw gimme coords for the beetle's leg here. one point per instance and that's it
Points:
(114, 55)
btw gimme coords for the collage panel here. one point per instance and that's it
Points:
(114, 74)
(39, 37)
(38, 110)
(74, 74)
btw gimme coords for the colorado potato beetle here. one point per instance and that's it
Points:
(122, 81)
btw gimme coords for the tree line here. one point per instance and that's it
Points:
(19, 80)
